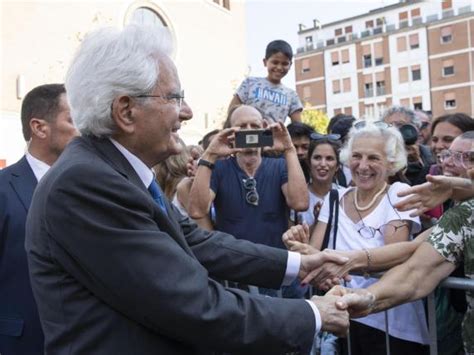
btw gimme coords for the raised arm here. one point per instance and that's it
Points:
(201, 195)
(295, 190)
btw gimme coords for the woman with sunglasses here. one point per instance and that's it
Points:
(323, 162)
(367, 219)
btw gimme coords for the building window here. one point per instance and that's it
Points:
(380, 21)
(380, 87)
(414, 41)
(336, 86)
(337, 111)
(148, 17)
(378, 53)
(223, 3)
(309, 41)
(367, 60)
(401, 44)
(305, 66)
(348, 29)
(403, 75)
(405, 102)
(335, 58)
(368, 90)
(449, 101)
(403, 16)
(448, 67)
(338, 32)
(446, 34)
(415, 12)
(446, 4)
(348, 110)
(417, 103)
(415, 73)
(346, 85)
(369, 24)
(345, 56)
(306, 92)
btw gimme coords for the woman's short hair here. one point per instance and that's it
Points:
(389, 135)
(109, 63)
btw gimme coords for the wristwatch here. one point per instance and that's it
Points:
(206, 163)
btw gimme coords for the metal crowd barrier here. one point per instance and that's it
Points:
(450, 282)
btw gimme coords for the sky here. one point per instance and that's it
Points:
(268, 20)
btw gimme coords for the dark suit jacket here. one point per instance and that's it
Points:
(20, 328)
(112, 274)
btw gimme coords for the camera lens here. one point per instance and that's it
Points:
(409, 134)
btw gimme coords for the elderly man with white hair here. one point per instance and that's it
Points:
(115, 268)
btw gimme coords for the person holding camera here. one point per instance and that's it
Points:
(251, 194)
(419, 156)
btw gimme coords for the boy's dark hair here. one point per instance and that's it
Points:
(279, 46)
(41, 102)
(460, 120)
(299, 129)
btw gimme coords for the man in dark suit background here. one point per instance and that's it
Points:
(47, 127)
(115, 269)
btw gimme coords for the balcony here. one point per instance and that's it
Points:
(369, 92)
(380, 91)
(417, 21)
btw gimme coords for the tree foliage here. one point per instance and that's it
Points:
(317, 119)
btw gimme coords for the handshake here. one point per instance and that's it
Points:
(339, 304)
(324, 270)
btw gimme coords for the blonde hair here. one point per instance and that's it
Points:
(172, 170)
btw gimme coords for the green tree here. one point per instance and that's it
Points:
(317, 119)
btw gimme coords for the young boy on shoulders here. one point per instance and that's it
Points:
(273, 99)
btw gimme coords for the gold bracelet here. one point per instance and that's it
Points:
(366, 272)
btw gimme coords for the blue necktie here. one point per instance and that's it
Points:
(157, 195)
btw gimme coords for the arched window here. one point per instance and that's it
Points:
(146, 16)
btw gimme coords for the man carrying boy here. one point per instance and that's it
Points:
(273, 99)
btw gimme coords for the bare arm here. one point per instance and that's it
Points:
(435, 191)
(201, 195)
(296, 116)
(182, 193)
(295, 190)
(414, 279)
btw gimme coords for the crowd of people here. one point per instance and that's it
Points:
(138, 243)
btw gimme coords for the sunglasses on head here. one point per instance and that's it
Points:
(330, 137)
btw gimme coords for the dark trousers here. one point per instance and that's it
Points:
(366, 340)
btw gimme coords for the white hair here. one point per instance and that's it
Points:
(392, 139)
(112, 62)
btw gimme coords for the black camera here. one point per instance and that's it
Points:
(409, 134)
(253, 138)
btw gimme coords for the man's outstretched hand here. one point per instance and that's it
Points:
(322, 266)
(357, 301)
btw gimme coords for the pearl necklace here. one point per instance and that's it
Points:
(371, 202)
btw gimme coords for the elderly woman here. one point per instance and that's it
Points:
(367, 219)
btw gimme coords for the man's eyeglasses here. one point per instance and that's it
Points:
(378, 124)
(334, 137)
(176, 99)
(250, 184)
(464, 159)
(385, 230)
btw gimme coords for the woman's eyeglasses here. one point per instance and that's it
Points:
(378, 124)
(251, 197)
(334, 137)
(464, 159)
(385, 230)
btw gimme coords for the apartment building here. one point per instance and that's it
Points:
(39, 38)
(418, 54)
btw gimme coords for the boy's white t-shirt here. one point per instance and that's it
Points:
(407, 321)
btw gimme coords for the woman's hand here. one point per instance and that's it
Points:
(298, 233)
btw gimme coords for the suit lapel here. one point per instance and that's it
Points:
(23, 182)
(116, 159)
